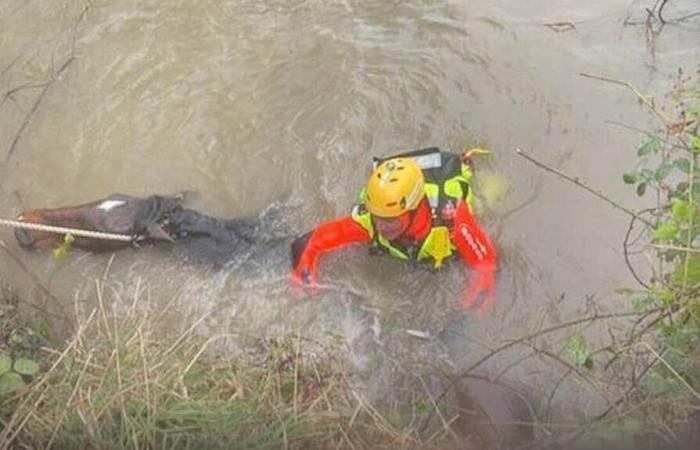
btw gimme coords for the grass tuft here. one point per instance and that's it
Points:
(118, 383)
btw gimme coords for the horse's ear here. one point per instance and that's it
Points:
(186, 196)
(182, 198)
(157, 233)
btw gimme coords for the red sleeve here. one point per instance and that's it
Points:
(326, 237)
(479, 253)
(473, 243)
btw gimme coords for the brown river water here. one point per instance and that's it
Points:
(283, 102)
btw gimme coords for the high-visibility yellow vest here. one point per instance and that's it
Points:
(447, 181)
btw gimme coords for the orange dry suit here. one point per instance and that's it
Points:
(441, 224)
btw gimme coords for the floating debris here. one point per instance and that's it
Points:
(418, 334)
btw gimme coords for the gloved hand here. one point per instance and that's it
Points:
(304, 259)
(479, 253)
(474, 151)
(481, 286)
(328, 236)
(304, 273)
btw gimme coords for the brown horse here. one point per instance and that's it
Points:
(149, 220)
(145, 219)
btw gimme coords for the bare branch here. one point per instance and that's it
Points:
(554, 328)
(661, 10)
(627, 258)
(31, 113)
(643, 98)
(578, 182)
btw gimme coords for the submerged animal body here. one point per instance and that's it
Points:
(141, 218)
(149, 220)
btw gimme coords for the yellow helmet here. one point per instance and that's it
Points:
(395, 186)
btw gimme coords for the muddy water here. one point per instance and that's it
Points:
(252, 103)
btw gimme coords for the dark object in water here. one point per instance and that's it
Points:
(150, 220)
(492, 414)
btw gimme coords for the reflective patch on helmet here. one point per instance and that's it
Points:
(385, 177)
(415, 195)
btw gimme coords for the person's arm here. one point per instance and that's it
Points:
(328, 236)
(479, 253)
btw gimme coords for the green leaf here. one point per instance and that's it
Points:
(666, 231)
(683, 165)
(666, 296)
(26, 366)
(629, 178)
(694, 110)
(662, 172)
(682, 211)
(695, 143)
(17, 339)
(640, 304)
(641, 189)
(692, 277)
(670, 255)
(646, 175)
(651, 146)
(578, 350)
(11, 382)
(681, 189)
(5, 363)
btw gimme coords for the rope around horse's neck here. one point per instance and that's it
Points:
(64, 230)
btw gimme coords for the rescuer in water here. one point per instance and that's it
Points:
(415, 206)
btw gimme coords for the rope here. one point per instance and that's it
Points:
(63, 230)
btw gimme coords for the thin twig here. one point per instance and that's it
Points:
(686, 17)
(689, 240)
(636, 335)
(31, 113)
(436, 408)
(646, 133)
(627, 257)
(673, 371)
(581, 184)
(676, 248)
(69, 402)
(9, 66)
(550, 398)
(8, 434)
(551, 329)
(576, 370)
(19, 88)
(644, 99)
(661, 10)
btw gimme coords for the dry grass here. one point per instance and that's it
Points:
(116, 383)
